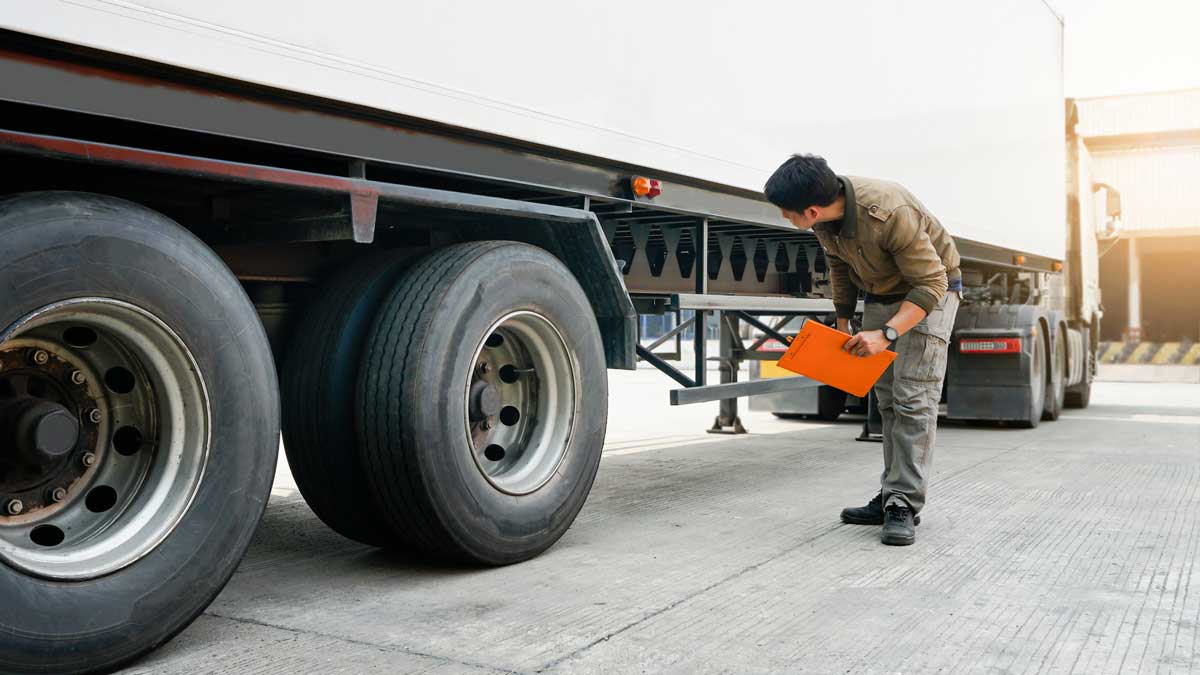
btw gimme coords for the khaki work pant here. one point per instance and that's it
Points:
(908, 395)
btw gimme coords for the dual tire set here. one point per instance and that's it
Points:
(433, 404)
(437, 404)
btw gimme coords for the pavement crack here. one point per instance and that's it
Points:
(363, 643)
(694, 594)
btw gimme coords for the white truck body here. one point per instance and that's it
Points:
(959, 101)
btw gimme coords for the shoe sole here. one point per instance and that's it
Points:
(851, 520)
(897, 541)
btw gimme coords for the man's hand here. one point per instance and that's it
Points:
(867, 343)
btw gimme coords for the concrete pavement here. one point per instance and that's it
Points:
(1068, 548)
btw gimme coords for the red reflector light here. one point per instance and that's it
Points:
(655, 188)
(989, 346)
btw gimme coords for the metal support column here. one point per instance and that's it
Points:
(700, 272)
(1133, 332)
(727, 421)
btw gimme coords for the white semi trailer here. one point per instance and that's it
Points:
(414, 236)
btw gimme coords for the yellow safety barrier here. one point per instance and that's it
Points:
(1165, 353)
(1109, 354)
(1156, 353)
(1141, 352)
(1192, 357)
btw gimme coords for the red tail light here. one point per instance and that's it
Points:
(989, 346)
(773, 345)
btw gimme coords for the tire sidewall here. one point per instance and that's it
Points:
(1038, 381)
(61, 246)
(495, 526)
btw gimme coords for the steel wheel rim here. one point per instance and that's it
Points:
(529, 368)
(144, 417)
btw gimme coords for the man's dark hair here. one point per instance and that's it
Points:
(802, 181)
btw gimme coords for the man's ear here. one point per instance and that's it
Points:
(813, 212)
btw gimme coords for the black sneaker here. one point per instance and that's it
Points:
(898, 526)
(871, 514)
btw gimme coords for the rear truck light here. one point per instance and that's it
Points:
(989, 346)
(773, 345)
(646, 187)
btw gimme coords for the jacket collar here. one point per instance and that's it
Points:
(847, 227)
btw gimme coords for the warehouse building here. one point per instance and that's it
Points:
(1148, 147)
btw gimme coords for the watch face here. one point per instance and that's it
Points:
(890, 334)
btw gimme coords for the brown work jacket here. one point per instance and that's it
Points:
(889, 245)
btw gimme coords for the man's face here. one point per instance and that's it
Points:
(803, 220)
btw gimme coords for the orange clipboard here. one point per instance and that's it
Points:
(817, 352)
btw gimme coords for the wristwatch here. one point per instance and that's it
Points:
(890, 333)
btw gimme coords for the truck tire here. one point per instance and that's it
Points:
(479, 442)
(136, 359)
(1037, 384)
(318, 385)
(831, 402)
(1080, 395)
(1056, 384)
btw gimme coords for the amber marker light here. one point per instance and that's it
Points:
(641, 186)
(646, 187)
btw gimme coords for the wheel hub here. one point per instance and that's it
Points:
(42, 401)
(45, 432)
(104, 436)
(521, 402)
(485, 400)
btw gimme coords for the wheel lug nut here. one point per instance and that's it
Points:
(40, 357)
(485, 425)
(78, 377)
(58, 494)
(485, 368)
(94, 416)
(89, 458)
(14, 507)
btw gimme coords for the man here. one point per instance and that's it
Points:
(879, 238)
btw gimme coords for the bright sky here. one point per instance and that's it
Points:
(1130, 46)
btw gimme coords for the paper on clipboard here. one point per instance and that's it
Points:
(816, 352)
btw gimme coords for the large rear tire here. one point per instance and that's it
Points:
(1056, 384)
(1037, 384)
(1080, 395)
(139, 354)
(318, 386)
(831, 402)
(483, 400)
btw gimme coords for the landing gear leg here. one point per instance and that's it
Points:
(727, 421)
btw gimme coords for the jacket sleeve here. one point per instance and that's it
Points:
(845, 293)
(918, 260)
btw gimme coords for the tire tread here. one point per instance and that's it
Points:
(388, 363)
(311, 415)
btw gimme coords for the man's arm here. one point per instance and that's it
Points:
(921, 266)
(845, 293)
(870, 343)
(918, 260)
